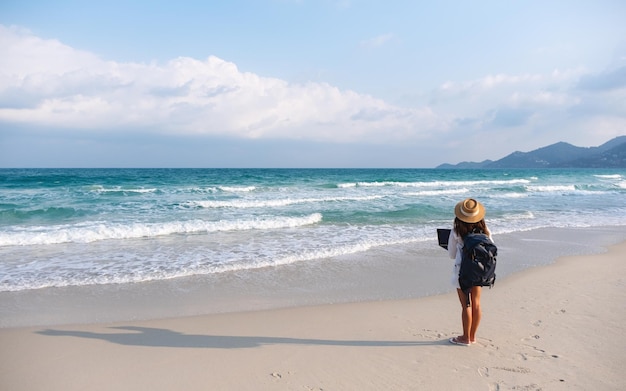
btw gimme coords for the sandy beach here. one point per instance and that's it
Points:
(555, 327)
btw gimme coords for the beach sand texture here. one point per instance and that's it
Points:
(556, 327)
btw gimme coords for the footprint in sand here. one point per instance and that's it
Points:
(504, 386)
(531, 337)
(536, 354)
(516, 369)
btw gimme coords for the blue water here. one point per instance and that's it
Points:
(82, 227)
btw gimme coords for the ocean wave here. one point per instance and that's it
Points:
(608, 176)
(237, 189)
(434, 183)
(509, 195)
(164, 268)
(58, 213)
(551, 189)
(438, 192)
(120, 189)
(108, 263)
(527, 215)
(239, 203)
(92, 232)
(212, 189)
(324, 253)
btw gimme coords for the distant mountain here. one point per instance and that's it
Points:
(482, 164)
(611, 154)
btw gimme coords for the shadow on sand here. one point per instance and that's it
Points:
(154, 337)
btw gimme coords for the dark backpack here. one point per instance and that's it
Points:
(478, 262)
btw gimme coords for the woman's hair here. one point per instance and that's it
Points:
(462, 228)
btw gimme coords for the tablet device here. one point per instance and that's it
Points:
(442, 235)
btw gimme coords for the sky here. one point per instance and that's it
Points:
(305, 83)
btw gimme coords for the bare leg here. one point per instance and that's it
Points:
(466, 317)
(476, 313)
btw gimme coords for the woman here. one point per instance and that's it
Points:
(469, 218)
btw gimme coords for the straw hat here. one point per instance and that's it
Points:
(469, 210)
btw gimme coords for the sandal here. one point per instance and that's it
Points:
(457, 341)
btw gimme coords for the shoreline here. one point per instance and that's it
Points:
(399, 272)
(557, 327)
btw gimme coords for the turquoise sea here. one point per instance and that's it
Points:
(64, 228)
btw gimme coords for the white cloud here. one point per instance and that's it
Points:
(529, 111)
(74, 89)
(26, 55)
(532, 94)
(503, 83)
(47, 85)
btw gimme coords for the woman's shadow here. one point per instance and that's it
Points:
(155, 337)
